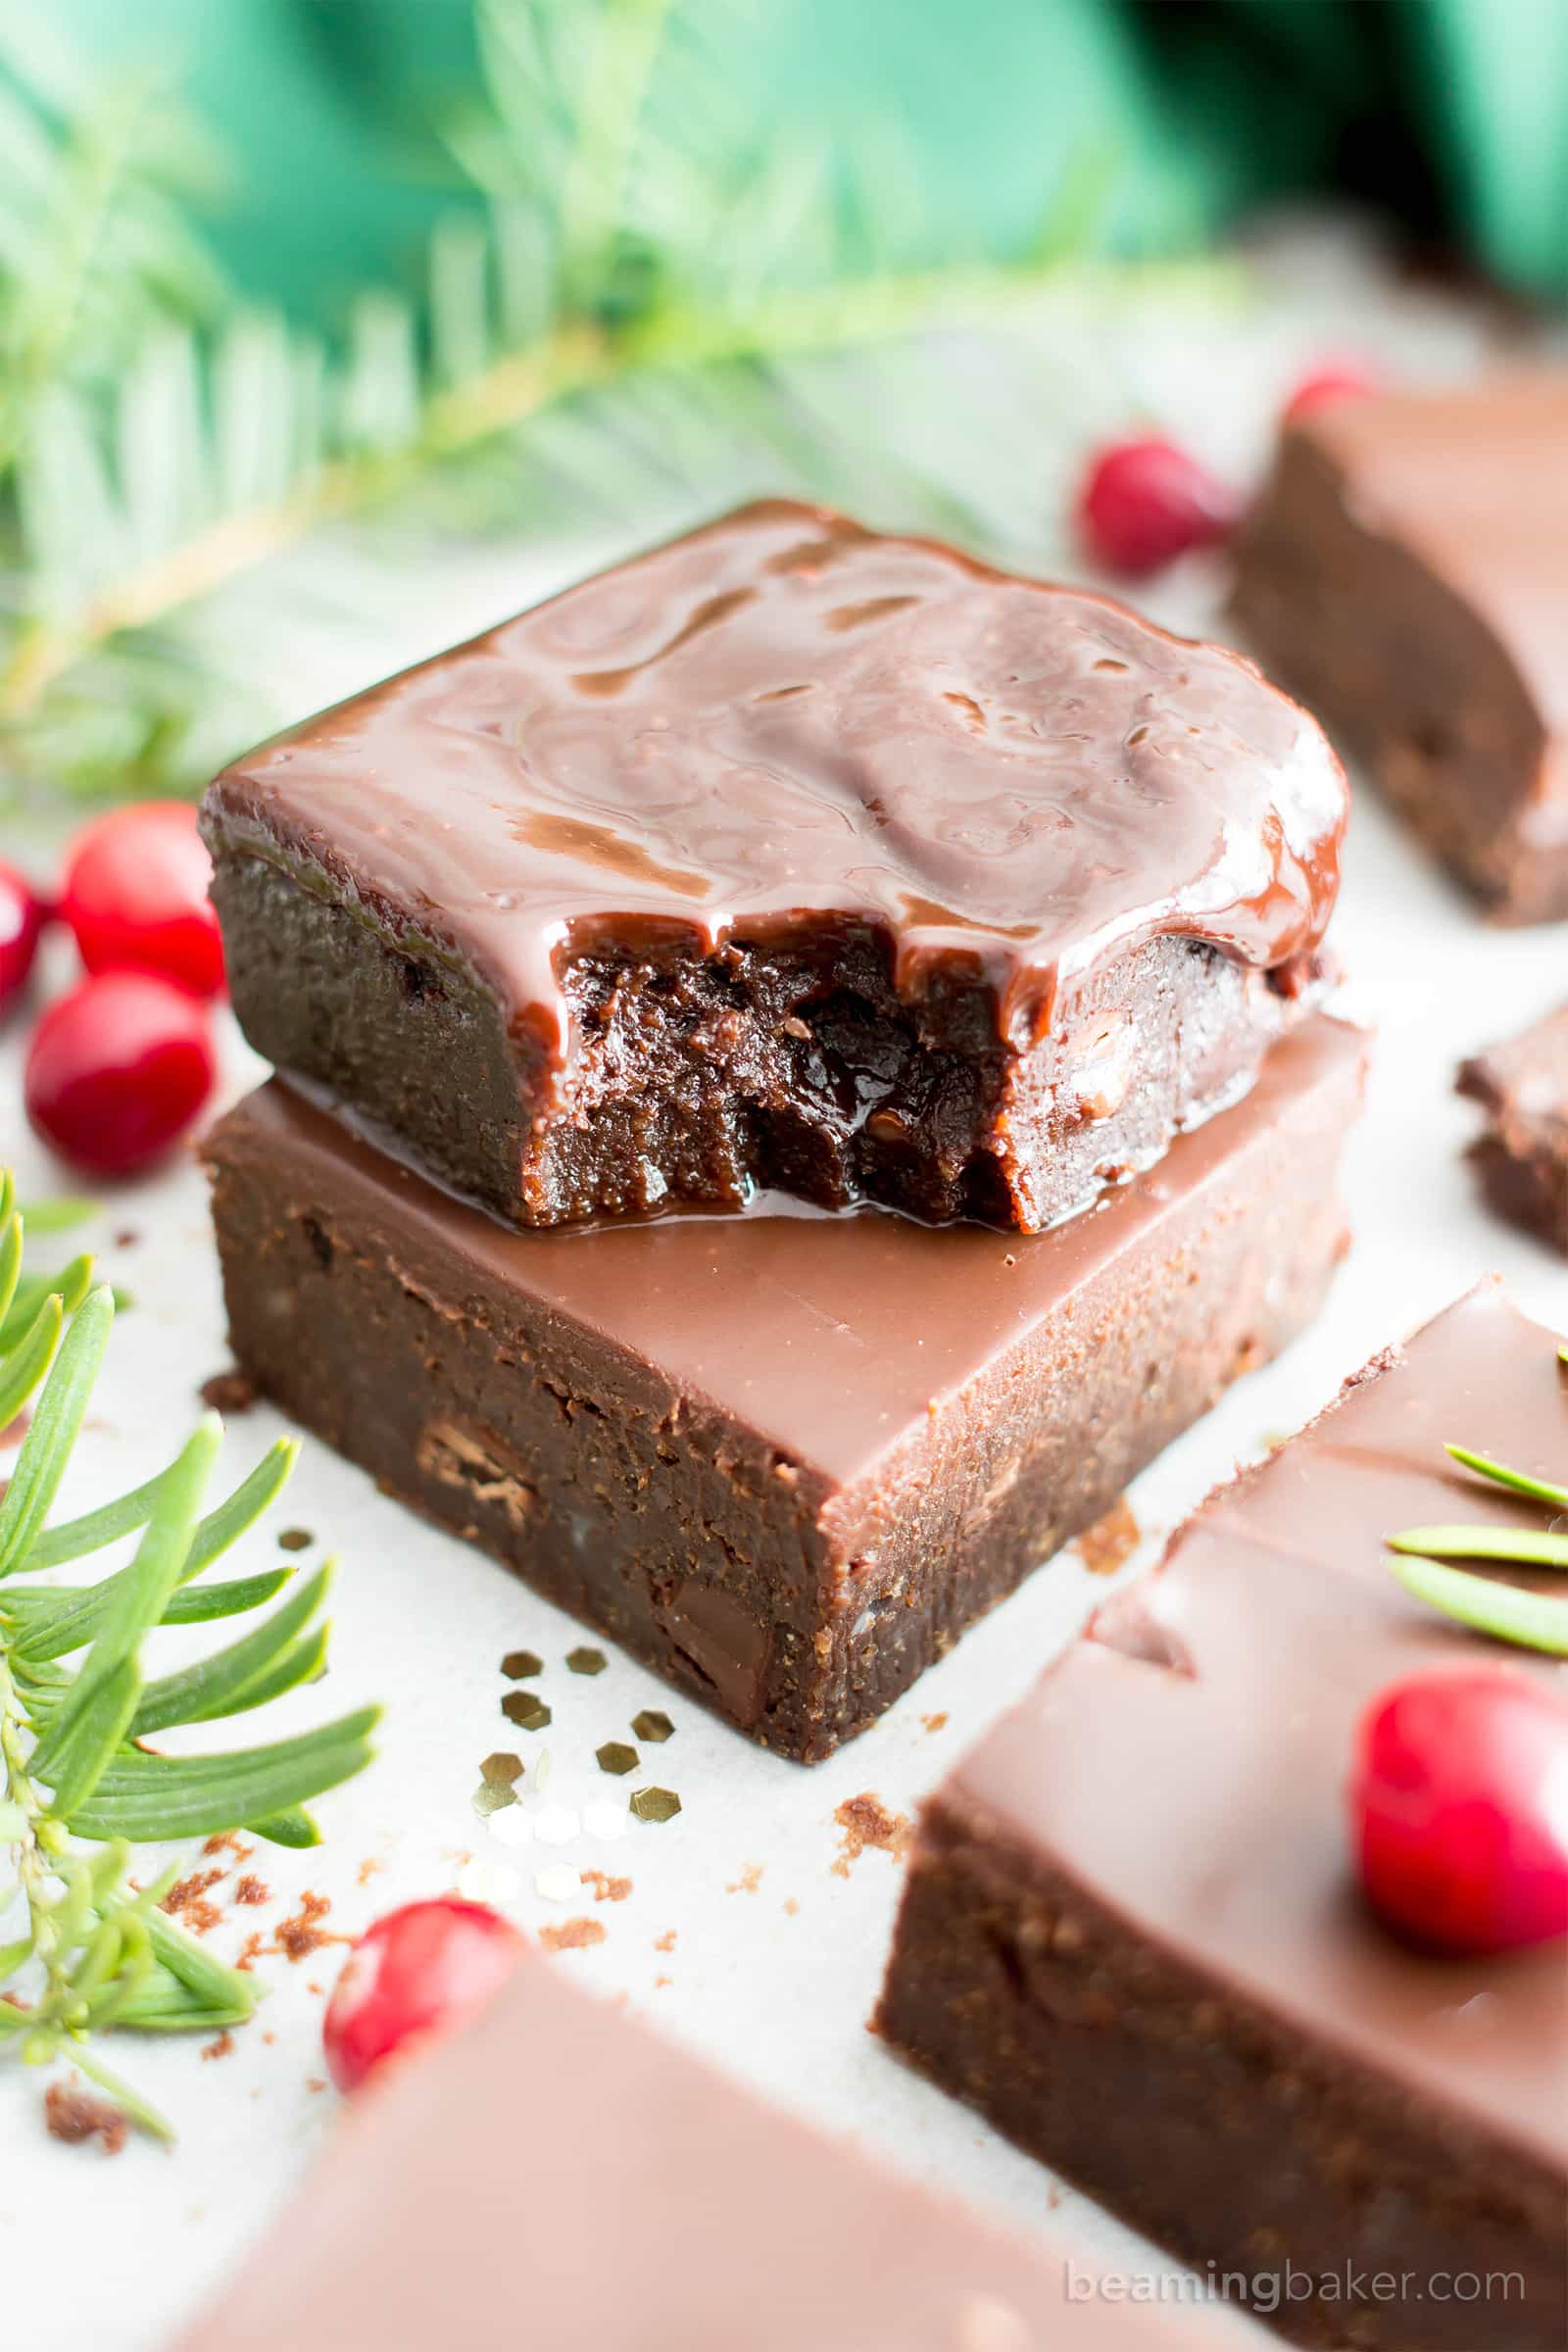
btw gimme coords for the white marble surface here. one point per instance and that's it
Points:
(777, 1955)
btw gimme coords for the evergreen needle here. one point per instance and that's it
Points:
(96, 1953)
(1508, 1612)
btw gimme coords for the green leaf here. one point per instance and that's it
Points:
(84, 1733)
(1554, 1497)
(293, 1828)
(141, 1592)
(46, 1447)
(1507, 1612)
(1529, 1547)
(69, 1286)
(222, 1685)
(143, 1797)
(59, 1216)
(76, 1538)
(49, 1625)
(28, 1363)
(10, 1260)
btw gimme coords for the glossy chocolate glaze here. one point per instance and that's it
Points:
(1202, 1798)
(784, 719)
(871, 1321)
(1475, 481)
(561, 2176)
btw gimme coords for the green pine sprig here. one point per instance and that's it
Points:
(80, 1714)
(1508, 1612)
(630, 313)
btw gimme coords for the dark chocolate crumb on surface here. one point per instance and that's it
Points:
(232, 1391)
(74, 2115)
(295, 1539)
(572, 1934)
(865, 1821)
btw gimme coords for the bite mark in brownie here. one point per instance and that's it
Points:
(787, 857)
(1406, 571)
(1132, 1936)
(785, 1459)
(1522, 1157)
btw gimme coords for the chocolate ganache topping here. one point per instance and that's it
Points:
(786, 721)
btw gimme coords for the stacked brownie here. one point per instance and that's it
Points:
(611, 962)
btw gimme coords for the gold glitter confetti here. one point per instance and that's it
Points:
(652, 1724)
(617, 1756)
(518, 1664)
(525, 1709)
(656, 1805)
(586, 1661)
(492, 1796)
(502, 1766)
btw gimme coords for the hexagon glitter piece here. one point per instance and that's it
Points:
(518, 1664)
(584, 1660)
(652, 1724)
(525, 1709)
(656, 1805)
(617, 1756)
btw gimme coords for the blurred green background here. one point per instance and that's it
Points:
(272, 269)
(1453, 114)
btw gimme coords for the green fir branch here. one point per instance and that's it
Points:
(80, 1785)
(631, 257)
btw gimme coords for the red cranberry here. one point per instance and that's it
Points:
(1341, 381)
(23, 915)
(1460, 1809)
(135, 896)
(116, 1070)
(419, 1971)
(1144, 503)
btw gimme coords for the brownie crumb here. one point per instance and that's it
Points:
(660, 1982)
(571, 1936)
(126, 1238)
(75, 2115)
(251, 1890)
(315, 2083)
(935, 1722)
(295, 1539)
(748, 1882)
(219, 2048)
(606, 1889)
(231, 1392)
(297, 1938)
(186, 1901)
(1112, 1541)
(865, 1821)
(369, 1868)
(665, 1942)
(227, 1841)
(791, 1906)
